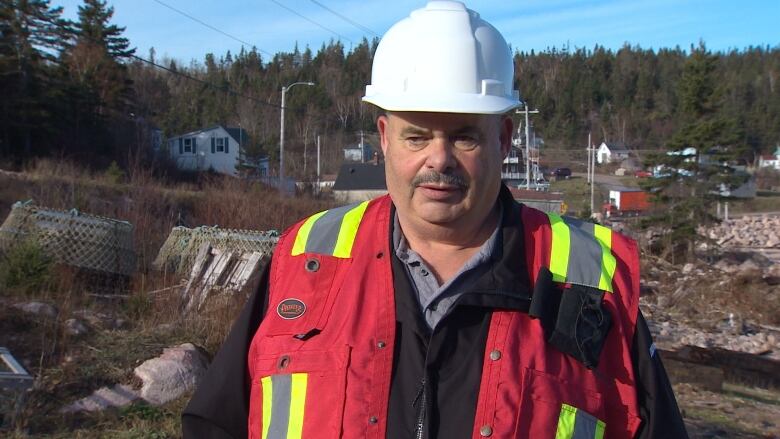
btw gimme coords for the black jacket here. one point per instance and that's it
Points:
(450, 358)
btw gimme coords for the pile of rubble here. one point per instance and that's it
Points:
(748, 231)
(730, 303)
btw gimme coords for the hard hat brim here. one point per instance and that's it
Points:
(449, 103)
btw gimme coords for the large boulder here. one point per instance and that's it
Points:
(177, 371)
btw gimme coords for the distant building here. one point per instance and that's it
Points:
(513, 167)
(361, 153)
(215, 148)
(611, 153)
(358, 182)
(550, 202)
(770, 160)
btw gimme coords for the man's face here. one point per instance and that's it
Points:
(444, 168)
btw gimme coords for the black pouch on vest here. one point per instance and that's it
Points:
(573, 320)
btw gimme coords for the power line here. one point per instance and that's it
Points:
(212, 27)
(214, 86)
(178, 73)
(313, 22)
(347, 19)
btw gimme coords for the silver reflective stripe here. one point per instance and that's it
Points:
(584, 425)
(280, 415)
(325, 231)
(584, 254)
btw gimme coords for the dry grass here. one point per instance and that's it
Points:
(67, 367)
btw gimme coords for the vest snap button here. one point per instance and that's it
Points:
(485, 431)
(312, 265)
(495, 354)
(373, 420)
(284, 361)
(381, 344)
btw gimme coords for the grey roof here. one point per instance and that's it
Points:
(616, 147)
(360, 176)
(238, 134)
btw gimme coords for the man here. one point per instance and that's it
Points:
(445, 310)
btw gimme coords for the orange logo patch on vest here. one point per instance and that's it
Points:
(289, 309)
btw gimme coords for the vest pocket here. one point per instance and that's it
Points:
(301, 300)
(552, 408)
(298, 395)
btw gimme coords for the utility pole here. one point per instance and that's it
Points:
(318, 164)
(281, 134)
(527, 144)
(587, 152)
(362, 149)
(592, 161)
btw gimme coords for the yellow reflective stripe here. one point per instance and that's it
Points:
(268, 391)
(600, 427)
(297, 405)
(303, 234)
(348, 231)
(566, 422)
(561, 243)
(608, 261)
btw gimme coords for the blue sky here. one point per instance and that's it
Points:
(526, 24)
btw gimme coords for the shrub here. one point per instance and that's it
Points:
(25, 268)
(114, 174)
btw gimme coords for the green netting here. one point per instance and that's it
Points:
(72, 237)
(179, 251)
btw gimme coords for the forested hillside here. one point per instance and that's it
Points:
(77, 89)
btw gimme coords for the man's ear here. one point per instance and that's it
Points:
(382, 127)
(505, 136)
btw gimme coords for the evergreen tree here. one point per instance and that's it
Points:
(695, 171)
(94, 26)
(31, 34)
(100, 99)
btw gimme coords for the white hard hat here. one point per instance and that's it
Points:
(443, 58)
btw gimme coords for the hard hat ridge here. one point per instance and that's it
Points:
(443, 58)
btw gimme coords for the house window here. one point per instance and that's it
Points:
(187, 145)
(221, 144)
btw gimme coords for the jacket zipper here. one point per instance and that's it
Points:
(422, 394)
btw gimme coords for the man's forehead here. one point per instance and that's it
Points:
(420, 121)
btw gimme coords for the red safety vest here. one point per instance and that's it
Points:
(320, 362)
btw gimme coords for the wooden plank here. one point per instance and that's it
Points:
(214, 275)
(740, 367)
(201, 261)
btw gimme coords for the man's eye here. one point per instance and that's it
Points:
(465, 142)
(416, 141)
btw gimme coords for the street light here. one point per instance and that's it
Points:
(281, 134)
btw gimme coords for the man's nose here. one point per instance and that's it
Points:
(441, 154)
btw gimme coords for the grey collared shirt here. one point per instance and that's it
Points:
(436, 300)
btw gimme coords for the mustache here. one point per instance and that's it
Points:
(438, 177)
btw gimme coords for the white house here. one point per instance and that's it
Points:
(362, 152)
(216, 148)
(611, 153)
(770, 161)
